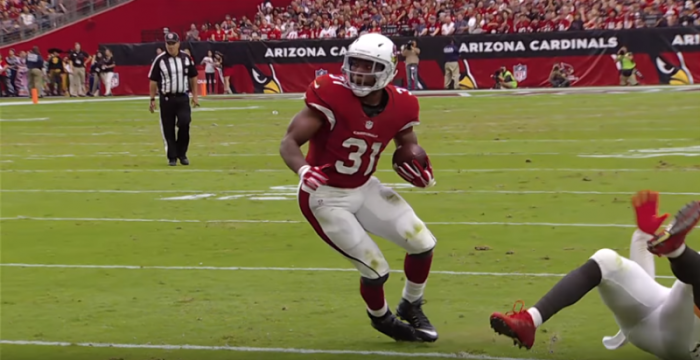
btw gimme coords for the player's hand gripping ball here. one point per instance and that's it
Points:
(413, 165)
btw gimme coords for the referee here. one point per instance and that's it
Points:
(173, 74)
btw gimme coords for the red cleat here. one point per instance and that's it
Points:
(516, 324)
(674, 236)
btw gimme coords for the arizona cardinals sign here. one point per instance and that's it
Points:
(663, 56)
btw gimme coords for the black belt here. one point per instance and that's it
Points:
(174, 95)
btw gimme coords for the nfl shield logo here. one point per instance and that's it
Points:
(520, 72)
(321, 72)
(369, 125)
(115, 80)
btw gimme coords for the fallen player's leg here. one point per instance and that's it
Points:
(626, 288)
(678, 327)
(686, 268)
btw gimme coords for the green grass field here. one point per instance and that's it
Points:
(527, 185)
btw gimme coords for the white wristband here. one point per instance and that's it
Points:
(303, 170)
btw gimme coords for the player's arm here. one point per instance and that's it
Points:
(304, 125)
(405, 137)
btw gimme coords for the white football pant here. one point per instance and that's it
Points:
(344, 217)
(654, 318)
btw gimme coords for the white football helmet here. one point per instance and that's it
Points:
(379, 50)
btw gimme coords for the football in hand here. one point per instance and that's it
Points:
(408, 153)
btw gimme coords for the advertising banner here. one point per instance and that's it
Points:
(663, 56)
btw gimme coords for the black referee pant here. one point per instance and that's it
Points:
(175, 111)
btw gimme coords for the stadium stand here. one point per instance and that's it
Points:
(24, 19)
(326, 19)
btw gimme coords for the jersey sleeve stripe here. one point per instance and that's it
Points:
(410, 124)
(326, 111)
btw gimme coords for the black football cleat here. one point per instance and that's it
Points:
(172, 162)
(184, 160)
(394, 328)
(412, 312)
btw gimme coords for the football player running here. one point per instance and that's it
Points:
(348, 121)
(656, 319)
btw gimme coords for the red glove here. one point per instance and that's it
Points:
(313, 177)
(415, 174)
(646, 206)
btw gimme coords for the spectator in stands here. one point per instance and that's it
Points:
(10, 27)
(28, 20)
(327, 32)
(461, 25)
(366, 26)
(577, 24)
(448, 26)
(325, 19)
(193, 34)
(204, 33)
(107, 71)
(433, 27)
(476, 24)
(687, 18)
(350, 30)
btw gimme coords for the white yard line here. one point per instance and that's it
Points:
(460, 355)
(283, 269)
(181, 169)
(261, 221)
(424, 192)
(24, 120)
(566, 140)
(70, 101)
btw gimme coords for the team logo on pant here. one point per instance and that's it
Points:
(520, 72)
(321, 72)
(115, 80)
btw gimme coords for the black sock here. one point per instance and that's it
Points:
(686, 268)
(574, 286)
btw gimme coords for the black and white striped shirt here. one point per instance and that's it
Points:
(172, 73)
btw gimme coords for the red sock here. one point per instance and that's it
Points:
(417, 267)
(374, 297)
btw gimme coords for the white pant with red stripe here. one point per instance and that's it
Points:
(344, 217)
(652, 317)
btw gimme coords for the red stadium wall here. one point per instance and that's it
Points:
(124, 23)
